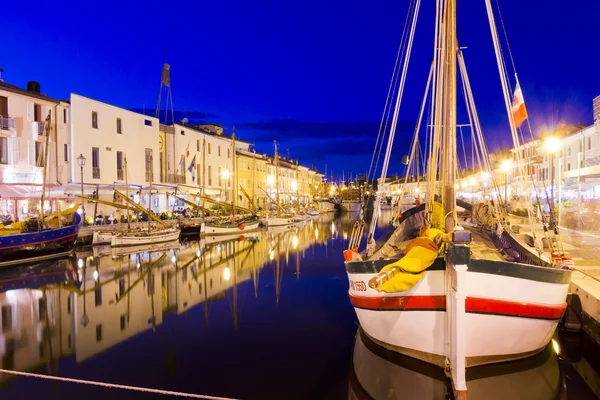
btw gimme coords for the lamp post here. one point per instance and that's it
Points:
(552, 145)
(81, 163)
(506, 167)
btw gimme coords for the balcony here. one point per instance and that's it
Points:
(175, 178)
(95, 172)
(120, 175)
(7, 123)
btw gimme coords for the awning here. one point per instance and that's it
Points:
(9, 191)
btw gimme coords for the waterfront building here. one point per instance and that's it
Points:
(23, 114)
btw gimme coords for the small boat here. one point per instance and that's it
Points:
(350, 205)
(280, 221)
(327, 205)
(313, 213)
(228, 228)
(191, 226)
(143, 237)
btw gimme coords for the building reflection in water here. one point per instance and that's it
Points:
(85, 305)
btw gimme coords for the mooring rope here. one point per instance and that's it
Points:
(114, 385)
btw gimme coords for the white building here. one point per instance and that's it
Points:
(22, 122)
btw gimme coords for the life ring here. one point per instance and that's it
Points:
(417, 202)
(241, 226)
(399, 214)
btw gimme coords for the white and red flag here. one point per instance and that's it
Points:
(519, 112)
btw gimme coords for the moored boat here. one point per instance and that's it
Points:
(350, 205)
(240, 226)
(133, 238)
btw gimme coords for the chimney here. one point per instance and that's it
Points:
(597, 109)
(33, 86)
(1, 71)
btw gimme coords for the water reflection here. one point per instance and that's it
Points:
(382, 374)
(84, 306)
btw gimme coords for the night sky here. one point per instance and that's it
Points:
(312, 74)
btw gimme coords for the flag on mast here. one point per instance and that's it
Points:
(192, 168)
(519, 112)
(187, 151)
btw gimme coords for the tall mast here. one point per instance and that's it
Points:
(150, 191)
(276, 175)
(233, 172)
(46, 146)
(448, 156)
(254, 202)
(126, 189)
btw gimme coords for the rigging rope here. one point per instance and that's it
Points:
(113, 385)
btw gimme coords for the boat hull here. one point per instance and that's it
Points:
(271, 222)
(512, 310)
(215, 230)
(350, 206)
(38, 246)
(126, 240)
(326, 206)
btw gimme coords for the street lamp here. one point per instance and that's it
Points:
(506, 167)
(552, 146)
(81, 163)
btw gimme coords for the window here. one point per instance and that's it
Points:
(69, 301)
(568, 166)
(65, 115)
(219, 176)
(123, 322)
(37, 113)
(66, 151)
(182, 132)
(95, 163)
(209, 175)
(589, 143)
(6, 318)
(98, 296)
(147, 122)
(39, 154)
(3, 150)
(219, 151)
(200, 288)
(98, 333)
(94, 120)
(120, 165)
(209, 148)
(228, 153)
(4, 106)
(149, 165)
(42, 309)
(121, 287)
(197, 145)
(569, 150)
(119, 126)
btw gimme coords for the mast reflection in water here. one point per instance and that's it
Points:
(264, 316)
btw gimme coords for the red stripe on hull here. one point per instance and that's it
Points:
(400, 302)
(472, 305)
(514, 309)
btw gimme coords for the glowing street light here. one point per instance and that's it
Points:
(506, 165)
(552, 145)
(225, 174)
(270, 180)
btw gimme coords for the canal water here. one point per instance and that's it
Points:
(262, 316)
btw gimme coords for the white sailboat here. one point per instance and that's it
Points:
(458, 296)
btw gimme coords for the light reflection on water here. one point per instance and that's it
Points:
(269, 307)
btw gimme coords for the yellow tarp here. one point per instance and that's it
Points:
(421, 253)
(50, 219)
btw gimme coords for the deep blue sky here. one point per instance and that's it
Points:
(311, 74)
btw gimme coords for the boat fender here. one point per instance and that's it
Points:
(241, 227)
(417, 202)
(420, 254)
(572, 320)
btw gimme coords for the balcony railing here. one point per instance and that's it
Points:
(120, 175)
(7, 123)
(175, 178)
(41, 126)
(95, 172)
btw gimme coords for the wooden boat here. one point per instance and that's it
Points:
(280, 221)
(350, 205)
(326, 206)
(239, 226)
(145, 237)
(472, 294)
(43, 238)
(377, 373)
